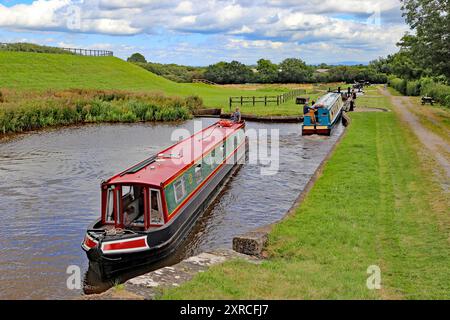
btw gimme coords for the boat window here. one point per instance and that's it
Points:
(224, 152)
(128, 191)
(198, 173)
(235, 158)
(179, 189)
(213, 159)
(156, 214)
(110, 205)
(133, 205)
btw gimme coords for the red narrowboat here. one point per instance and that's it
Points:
(148, 209)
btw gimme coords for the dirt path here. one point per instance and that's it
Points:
(438, 147)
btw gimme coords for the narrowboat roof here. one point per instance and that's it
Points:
(165, 166)
(329, 99)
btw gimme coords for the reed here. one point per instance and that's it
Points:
(24, 111)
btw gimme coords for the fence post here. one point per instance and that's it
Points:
(265, 100)
(242, 100)
(253, 100)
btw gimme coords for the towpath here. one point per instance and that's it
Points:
(437, 146)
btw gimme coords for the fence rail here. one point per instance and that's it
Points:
(80, 52)
(280, 99)
(90, 52)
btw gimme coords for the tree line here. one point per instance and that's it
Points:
(422, 65)
(291, 70)
(31, 47)
(173, 72)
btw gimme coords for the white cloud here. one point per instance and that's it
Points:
(250, 24)
(264, 44)
(39, 14)
(184, 7)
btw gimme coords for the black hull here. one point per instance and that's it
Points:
(164, 241)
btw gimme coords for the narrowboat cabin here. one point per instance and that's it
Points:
(321, 117)
(148, 209)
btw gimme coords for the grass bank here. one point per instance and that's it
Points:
(24, 111)
(40, 72)
(375, 204)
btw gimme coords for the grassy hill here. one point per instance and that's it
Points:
(23, 70)
(40, 71)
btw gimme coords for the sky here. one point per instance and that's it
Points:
(199, 33)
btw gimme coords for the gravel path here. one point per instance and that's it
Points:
(438, 147)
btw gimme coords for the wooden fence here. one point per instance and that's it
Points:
(254, 100)
(80, 52)
(90, 52)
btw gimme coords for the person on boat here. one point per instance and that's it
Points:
(236, 116)
(306, 108)
(130, 214)
(312, 115)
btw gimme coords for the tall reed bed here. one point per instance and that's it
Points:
(23, 111)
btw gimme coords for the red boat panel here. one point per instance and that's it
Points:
(175, 159)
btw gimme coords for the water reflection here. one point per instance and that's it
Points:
(50, 192)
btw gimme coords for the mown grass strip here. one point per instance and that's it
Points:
(373, 205)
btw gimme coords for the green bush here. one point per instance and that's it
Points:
(77, 107)
(194, 102)
(425, 87)
(413, 88)
(398, 84)
(438, 91)
(31, 47)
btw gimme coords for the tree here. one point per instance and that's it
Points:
(430, 19)
(267, 71)
(229, 73)
(137, 57)
(382, 65)
(404, 66)
(295, 71)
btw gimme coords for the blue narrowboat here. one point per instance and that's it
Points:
(321, 117)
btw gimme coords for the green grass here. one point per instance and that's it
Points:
(39, 71)
(394, 92)
(375, 204)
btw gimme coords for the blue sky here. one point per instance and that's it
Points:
(203, 32)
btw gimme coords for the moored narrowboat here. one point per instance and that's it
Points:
(321, 117)
(148, 209)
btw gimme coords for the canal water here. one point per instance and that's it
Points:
(50, 192)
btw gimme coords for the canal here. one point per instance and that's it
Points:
(50, 192)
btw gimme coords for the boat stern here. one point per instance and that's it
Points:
(320, 130)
